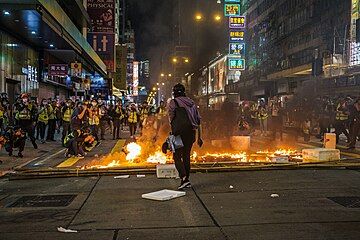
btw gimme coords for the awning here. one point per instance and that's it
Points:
(43, 24)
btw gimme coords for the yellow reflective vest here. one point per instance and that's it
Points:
(43, 115)
(341, 115)
(66, 117)
(94, 118)
(133, 118)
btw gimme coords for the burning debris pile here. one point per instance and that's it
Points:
(139, 154)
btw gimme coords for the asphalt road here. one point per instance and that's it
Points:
(108, 208)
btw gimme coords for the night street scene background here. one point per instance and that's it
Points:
(179, 119)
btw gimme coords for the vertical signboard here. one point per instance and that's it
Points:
(237, 22)
(231, 9)
(104, 46)
(236, 63)
(102, 15)
(135, 78)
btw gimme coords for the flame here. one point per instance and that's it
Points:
(157, 157)
(133, 151)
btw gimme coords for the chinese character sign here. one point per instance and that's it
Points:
(237, 22)
(236, 63)
(237, 49)
(236, 36)
(57, 70)
(232, 1)
(232, 10)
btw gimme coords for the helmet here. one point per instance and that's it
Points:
(179, 89)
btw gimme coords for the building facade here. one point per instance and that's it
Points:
(40, 43)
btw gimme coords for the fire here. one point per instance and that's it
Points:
(158, 157)
(133, 151)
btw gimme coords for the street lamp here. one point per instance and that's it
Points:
(174, 60)
(217, 17)
(198, 17)
(186, 60)
(170, 75)
(162, 74)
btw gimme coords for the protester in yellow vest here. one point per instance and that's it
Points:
(94, 119)
(118, 116)
(43, 119)
(133, 119)
(66, 113)
(52, 108)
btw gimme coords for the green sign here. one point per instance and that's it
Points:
(232, 10)
(236, 63)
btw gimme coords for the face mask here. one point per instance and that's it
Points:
(25, 100)
(45, 103)
(68, 104)
(94, 104)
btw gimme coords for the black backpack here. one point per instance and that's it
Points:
(181, 122)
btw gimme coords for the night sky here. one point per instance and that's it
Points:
(155, 23)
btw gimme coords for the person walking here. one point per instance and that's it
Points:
(43, 118)
(104, 117)
(187, 131)
(354, 124)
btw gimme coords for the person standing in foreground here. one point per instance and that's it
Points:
(188, 134)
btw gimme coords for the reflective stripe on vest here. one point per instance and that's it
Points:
(132, 117)
(43, 116)
(67, 115)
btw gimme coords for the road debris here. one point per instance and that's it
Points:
(64, 230)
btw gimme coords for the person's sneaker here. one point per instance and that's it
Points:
(80, 156)
(184, 184)
(20, 155)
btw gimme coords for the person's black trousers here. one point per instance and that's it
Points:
(41, 129)
(51, 129)
(27, 126)
(117, 127)
(182, 155)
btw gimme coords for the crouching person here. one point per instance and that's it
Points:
(73, 142)
(12, 139)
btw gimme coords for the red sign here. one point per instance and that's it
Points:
(102, 15)
(58, 70)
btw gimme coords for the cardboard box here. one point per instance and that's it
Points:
(330, 140)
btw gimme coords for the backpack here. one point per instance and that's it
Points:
(181, 122)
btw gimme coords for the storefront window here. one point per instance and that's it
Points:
(18, 63)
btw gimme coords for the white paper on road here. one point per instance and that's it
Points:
(274, 195)
(140, 176)
(163, 195)
(122, 176)
(64, 230)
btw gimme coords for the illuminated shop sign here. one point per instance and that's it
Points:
(237, 22)
(236, 35)
(237, 49)
(232, 10)
(236, 63)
